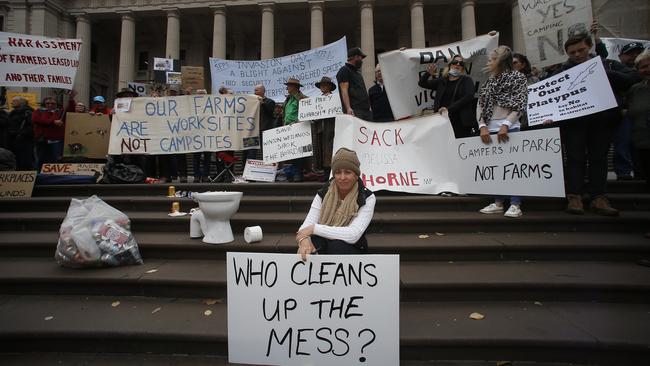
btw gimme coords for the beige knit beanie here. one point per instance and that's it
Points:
(346, 159)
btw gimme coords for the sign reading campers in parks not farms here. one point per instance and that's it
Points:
(35, 61)
(329, 310)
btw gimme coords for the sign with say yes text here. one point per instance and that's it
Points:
(329, 310)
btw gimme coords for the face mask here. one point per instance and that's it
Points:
(359, 63)
(454, 72)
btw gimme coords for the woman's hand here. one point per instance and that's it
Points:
(502, 135)
(485, 135)
(307, 231)
(305, 247)
(442, 110)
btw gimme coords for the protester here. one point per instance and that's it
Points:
(638, 102)
(340, 212)
(267, 105)
(99, 106)
(18, 133)
(625, 162)
(381, 111)
(502, 100)
(591, 133)
(354, 96)
(522, 64)
(290, 113)
(49, 131)
(454, 95)
(326, 129)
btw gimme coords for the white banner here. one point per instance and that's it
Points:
(35, 61)
(582, 90)
(421, 155)
(614, 46)
(319, 107)
(258, 170)
(287, 142)
(546, 25)
(308, 67)
(186, 124)
(401, 71)
(329, 310)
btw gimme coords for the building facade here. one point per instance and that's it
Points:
(125, 35)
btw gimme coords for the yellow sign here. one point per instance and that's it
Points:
(30, 97)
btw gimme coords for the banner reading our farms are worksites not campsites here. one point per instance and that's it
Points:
(185, 124)
(35, 61)
(401, 70)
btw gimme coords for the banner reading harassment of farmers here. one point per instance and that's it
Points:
(36, 61)
(308, 67)
(319, 107)
(329, 310)
(614, 45)
(546, 25)
(421, 155)
(401, 71)
(582, 90)
(186, 124)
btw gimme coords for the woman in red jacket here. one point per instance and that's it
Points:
(49, 130)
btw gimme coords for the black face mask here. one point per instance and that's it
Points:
(358, 64)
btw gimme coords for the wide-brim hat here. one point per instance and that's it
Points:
(125, 93)
(293, 81)
(326, 80)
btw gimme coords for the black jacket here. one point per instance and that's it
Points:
(19, 125)
(461, 110)
(381, 111)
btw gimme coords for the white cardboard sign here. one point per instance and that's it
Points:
(36, 61)
(421, 155)
(260, 171)
(329, 310)
(401, 71)
(139, 88)
(319, 107)
(582, 90)
(287, 142)
(546, 25)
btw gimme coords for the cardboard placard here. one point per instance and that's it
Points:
(319, 107)
(86, 135)
(83, 169)
(193, 77)
(17, 184)
(138, 88)
(260, 171)
(287, 142)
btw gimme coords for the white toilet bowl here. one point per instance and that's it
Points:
(212, 219)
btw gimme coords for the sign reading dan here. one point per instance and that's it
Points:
(186, 124)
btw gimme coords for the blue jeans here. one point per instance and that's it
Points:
(514, 200)
(48, 152)
(623, 148)
(201, 171)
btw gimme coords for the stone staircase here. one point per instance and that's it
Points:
(554, 288)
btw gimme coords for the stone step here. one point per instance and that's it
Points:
(411, 247)
(383, 222)
(280, 204)
(423, 280)
(602, 333)
(275, 189)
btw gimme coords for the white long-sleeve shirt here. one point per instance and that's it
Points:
(349, 234)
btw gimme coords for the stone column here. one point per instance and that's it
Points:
(268, 31)
(517, 34)
(173, 34)
(20, 18)
(467, 18)
(127, 50)
(219, 31)
(417, 24)
(316, 8)
(82, 79)
(367, 41)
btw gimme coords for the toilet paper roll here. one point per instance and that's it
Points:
(253, 234)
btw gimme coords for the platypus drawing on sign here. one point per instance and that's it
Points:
(75, 148)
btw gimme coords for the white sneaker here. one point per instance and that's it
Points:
(513, 211)
(491, 208)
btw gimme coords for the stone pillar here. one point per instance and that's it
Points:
(44, 20)
(268, 31)
(173, 34)
(467, 18)
(316, 8)
(417, 24)
(82, 79)
(517, 34)
(127, 50)
(367, 41)
(219, 31)
(20, 20)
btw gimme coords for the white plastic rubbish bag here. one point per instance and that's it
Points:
(94, 234)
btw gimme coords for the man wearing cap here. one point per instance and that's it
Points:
(354, 95)
(629, 53)
(99, 106)
(290, 113)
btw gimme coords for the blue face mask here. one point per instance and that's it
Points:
(454, 72)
